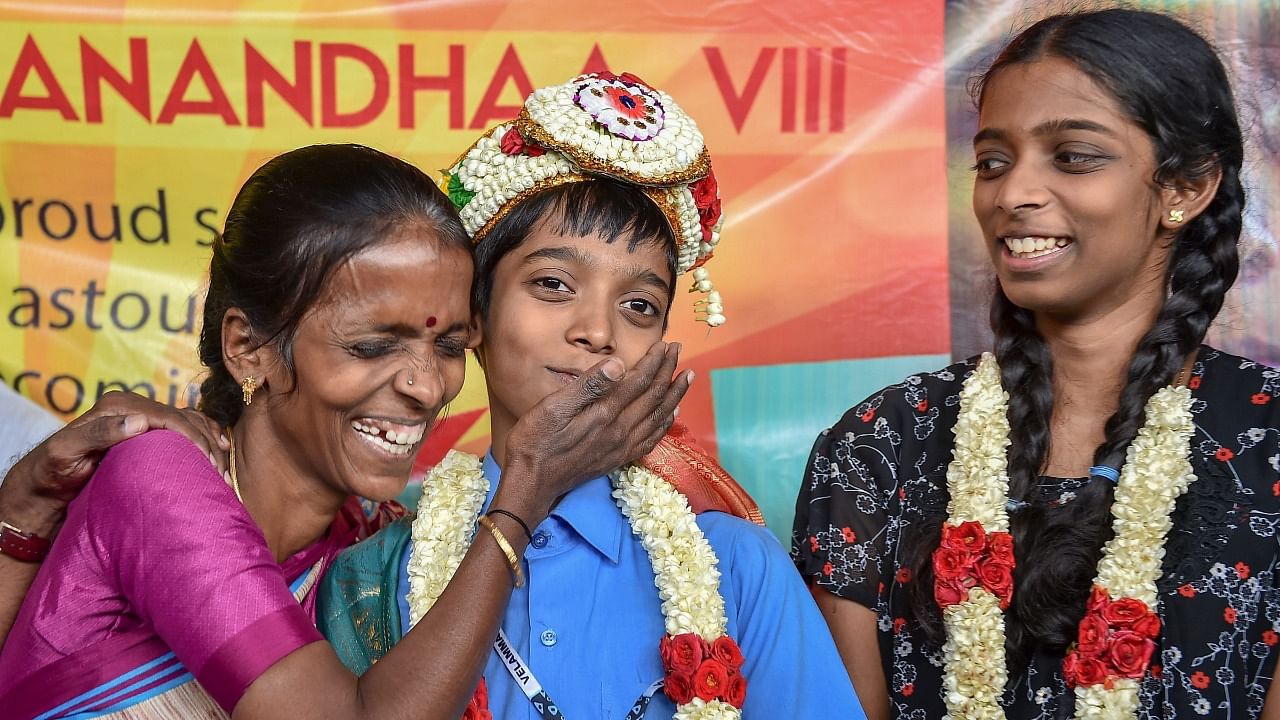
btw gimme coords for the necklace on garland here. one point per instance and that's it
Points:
(973, 565)
(702, 664)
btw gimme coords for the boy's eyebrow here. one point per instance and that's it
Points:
(576, 255)
(648, 277)
(565, 253)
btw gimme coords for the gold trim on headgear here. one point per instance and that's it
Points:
(599, 125)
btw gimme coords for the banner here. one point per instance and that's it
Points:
(128, 126)
(840, 133)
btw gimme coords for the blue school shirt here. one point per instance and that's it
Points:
(588, 619)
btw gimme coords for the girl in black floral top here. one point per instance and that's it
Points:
(1107, 187)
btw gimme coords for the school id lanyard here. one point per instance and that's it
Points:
(523, 676)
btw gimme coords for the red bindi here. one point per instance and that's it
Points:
(431, 321)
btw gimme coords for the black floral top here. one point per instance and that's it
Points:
(883, 467)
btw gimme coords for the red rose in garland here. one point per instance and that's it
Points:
(1093, 635)
(686, 653)
(706, 197)
(1099, 598)
(966, 557)
(1083, 670)
(736, 693)
(951, 564)
(1124, 612)
(997, 578)
(966, 537)
(949, 592)
(1148, 625)
(513, 143)
(1000, 548)
(664, 652)
(478, 707)
(679, 688)
(705, 191)
(727, 651)
(711, 680)
(1129, 653)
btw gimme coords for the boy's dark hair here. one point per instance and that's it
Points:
(611, 209)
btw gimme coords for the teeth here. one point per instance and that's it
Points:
(1029, 247)
(404, 438)
(397, 442)
(393, 449)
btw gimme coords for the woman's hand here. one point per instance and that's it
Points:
(607, 417)
(37, 490)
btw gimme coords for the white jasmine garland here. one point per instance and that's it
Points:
(1155, 474)
(975, 671)
(684, 564)
(452, 496)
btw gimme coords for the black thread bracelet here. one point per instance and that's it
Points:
(523, 525)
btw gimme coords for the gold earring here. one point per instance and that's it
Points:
(1176, 216)
(247, 386)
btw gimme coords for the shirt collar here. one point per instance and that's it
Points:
(589, 509)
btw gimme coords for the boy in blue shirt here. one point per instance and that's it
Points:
(584, 211)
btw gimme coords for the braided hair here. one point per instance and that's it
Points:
(1172, 84)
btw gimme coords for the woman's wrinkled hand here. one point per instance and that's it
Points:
(606, 418)
(38, 488)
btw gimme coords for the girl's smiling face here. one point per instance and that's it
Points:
(1065, 194)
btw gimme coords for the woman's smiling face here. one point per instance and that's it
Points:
(375, 360)
(1065, 194)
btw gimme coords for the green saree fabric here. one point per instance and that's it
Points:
(357, 609)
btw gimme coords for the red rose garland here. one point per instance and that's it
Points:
(1116, 640)
(974, 562)
(969, 557)
(708, 671)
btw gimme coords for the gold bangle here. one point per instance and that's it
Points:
(506, 548)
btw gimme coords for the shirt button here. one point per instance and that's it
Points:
(540, 540)
(549, 637)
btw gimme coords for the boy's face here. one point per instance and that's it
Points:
(561, 304)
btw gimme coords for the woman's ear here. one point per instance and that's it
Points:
(1184, 200)
(243, 356)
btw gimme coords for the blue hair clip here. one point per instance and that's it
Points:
(1109, 473)
(1012, 506)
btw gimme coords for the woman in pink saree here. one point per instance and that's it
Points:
(335, 329)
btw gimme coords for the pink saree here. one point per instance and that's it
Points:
(160, 597)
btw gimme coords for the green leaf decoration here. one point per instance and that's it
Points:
(458, 194)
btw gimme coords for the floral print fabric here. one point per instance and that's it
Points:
(882, 469)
